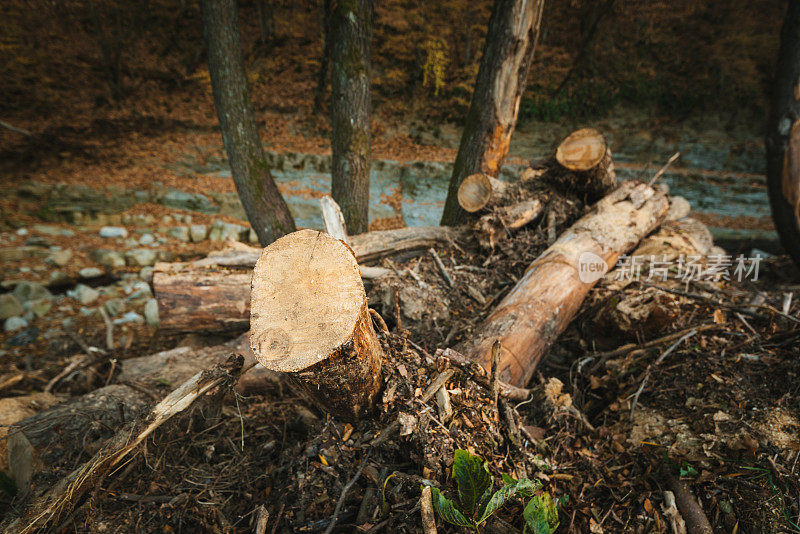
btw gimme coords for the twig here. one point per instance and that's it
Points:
(426, 511)
(477, 374)
(346, 489)
(494, 378)
(109, 328)
(663, 169)
(278, 519)
(692, 512)
(437, 383)
(655, 363)
(77, 361)
(438, 261)
(15, 129)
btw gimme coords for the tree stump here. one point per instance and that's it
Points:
(585, 152)
(309, 318)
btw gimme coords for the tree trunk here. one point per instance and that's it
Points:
(309, 318)
(783, 137)
(586, 153)
(544, 301)
(507, 56)
(351, 29)
(263, 203)
(213, 294)
(322, 75)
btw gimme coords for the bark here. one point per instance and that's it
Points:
(783, 136)
(492, 227)
(213, 294)
(309, 318)
(547, 297)
(333, 218)
(263, 203)
(507, 56)
(322, 75)
(351, 31)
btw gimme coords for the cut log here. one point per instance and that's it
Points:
(546, 298)
(213, 294)
(586, 153)
(478, 190)
(309, 318)
(493, 226)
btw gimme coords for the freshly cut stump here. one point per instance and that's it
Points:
(479, 190)
(586, 153)
(309, 318)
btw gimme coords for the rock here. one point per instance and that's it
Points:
(181, 233)
(113, 232)
(53, 231)
(252, 236)
(59, 278)
(108, 258)
(26, 291)
(114, 307)
(13, 324)
(140, 290)
(147, 239)
(130, 317)
(146, 274)
(20, 253)
(38, 308)
(189, 201)
(22, 231)
(9, 306)
(84, 294)
(141, 257)
(38, 241)
(60, 257)
(26, 337)
(222, 231)
(151, 312)
(198, 232)
(90, 272)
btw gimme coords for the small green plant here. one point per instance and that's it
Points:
(475, 502)
(541, 514)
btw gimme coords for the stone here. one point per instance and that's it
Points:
(130, 317)
(26, 337)
(147, 239)
(114, 307)
(252, 236)
(151, 312)
(60, 257)
(90, 272)
(113, 232)
(140, 290)
(146, 274)
(189, 201)
(222, 231)
(108, 258)
(22, 231)
(38, 241)
(141, 257)
(13, 324)
(53, 231)
(9, 306)
(84, 294)
(26, 291)
(39, 308)
(59, 278)
(198, 232)
(181, 233)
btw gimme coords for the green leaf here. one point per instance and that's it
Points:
(473, 480)
(541, 514)
(448, 511)
(523, 488)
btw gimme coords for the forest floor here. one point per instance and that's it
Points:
(721, 411)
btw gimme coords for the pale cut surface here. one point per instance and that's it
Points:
(476, 190)
(306, 298)
(582, 150)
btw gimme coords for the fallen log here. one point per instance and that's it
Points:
(309, 318)
(586, 153)
(213, 294)
(547, 297)
(50, 436)
(477, 191)
(492, 226)
(47, 509)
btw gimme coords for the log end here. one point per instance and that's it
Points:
(475, 192)
(582, 150)
(306, 300)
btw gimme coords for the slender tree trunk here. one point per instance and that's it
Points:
(783, 136)
(351, 30)
(263, 203)
(507, 56)
(322, 75)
